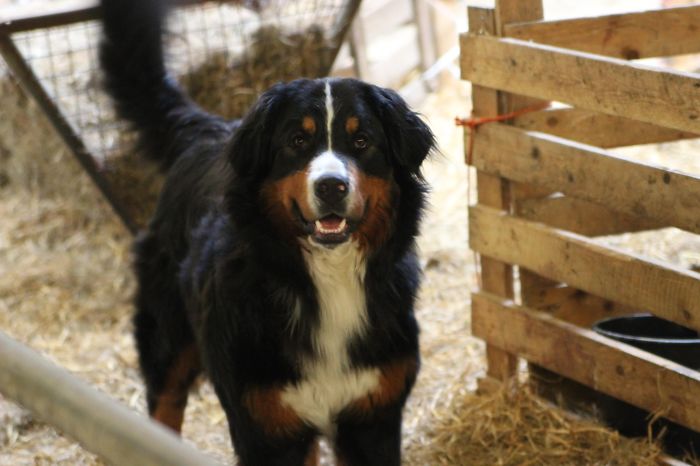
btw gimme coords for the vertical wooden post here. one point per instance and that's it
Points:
(511, 11)
(531, 284)
(358, 50)
(493, 191)
(496, 276)
(426, 36)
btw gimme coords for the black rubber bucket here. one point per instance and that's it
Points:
(663, 338)
(655, 335)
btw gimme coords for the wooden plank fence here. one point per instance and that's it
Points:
(549, 185)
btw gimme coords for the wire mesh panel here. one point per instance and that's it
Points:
(224, 53)
(64, 60)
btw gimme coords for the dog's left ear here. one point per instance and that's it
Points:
(410, 139)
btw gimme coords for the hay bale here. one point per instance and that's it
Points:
(32, 157)
(229, 87)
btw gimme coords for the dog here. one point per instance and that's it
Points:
(281, 259)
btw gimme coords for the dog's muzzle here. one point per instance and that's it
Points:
(332, 191)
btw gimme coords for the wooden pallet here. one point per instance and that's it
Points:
(548, 185)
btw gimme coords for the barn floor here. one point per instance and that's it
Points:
(66, 287)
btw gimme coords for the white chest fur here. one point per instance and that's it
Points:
(329, 384)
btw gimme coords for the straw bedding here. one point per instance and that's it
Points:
(66, 285)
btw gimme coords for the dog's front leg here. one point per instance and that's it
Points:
(264, 431)
(370, 442)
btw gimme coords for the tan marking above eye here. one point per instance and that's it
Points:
(352, 124)
(309, 125)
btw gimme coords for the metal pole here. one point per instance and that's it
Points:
(339, 30)
(101, 425)
(28, 80)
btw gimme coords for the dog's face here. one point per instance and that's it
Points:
(325, 155)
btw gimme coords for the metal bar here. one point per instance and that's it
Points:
(100, 424)
(58, 16)
(67, 13)
(31, 84)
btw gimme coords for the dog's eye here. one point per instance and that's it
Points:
(361, 142)
(298, 140)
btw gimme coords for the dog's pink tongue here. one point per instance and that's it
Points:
(331, 222)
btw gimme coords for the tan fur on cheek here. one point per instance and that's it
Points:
(279, 197)
(378, 221)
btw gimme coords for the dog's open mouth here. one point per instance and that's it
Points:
(331, 229)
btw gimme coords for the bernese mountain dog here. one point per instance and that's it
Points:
(281, 257)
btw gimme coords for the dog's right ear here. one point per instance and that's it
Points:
(249, 150)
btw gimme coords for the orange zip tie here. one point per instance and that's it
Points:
(473, 123)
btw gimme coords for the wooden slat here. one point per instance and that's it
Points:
(657, 33)
(496, 276)
(426, 33)
(582, 217)
(528, 191)
(506, 11)
(390, 65)
(575, 306)
(597, 129)
(631, 187)
(514, 11)
(593, 82)
(646, 284)
(358, 50)
(627, 373)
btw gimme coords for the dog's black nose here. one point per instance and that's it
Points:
(331, 190)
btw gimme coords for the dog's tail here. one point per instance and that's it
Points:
(131, 55)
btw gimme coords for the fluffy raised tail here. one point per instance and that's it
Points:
(131, 55)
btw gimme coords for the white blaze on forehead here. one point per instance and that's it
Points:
(329, 113)
(327, 164)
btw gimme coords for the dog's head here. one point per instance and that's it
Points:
(327, 158)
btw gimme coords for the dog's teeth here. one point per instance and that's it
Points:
(339, 229)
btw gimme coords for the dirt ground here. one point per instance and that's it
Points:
(66, 288)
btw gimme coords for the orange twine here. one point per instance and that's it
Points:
(473, 123)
